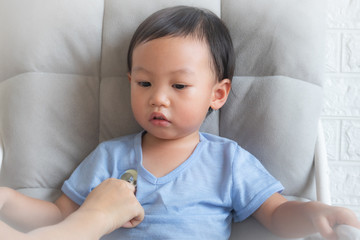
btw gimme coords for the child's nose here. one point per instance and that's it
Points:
(159, 98)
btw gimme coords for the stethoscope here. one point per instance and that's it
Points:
(130, 176)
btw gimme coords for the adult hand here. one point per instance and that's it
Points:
(109, 206)
(116, 200)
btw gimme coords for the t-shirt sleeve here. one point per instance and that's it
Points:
(89, 174)
(252, 185)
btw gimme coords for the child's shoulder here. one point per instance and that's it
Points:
(211, 138)
(222, 146)
(127, 140)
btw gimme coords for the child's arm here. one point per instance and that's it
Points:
(299, 219)
(28, 213)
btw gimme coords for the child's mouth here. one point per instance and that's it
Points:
(159, 119)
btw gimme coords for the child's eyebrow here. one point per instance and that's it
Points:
(185, 70)
(140, 69)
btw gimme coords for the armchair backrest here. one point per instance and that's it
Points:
(64, 87)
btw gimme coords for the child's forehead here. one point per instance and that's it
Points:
(174, 47)
(173, 44)
(184, 40)
(172, 54)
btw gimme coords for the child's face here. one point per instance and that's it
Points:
(172, 86)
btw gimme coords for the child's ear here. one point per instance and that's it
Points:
(129, 76)
(220, 94)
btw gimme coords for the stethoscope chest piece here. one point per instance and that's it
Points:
(130, 176)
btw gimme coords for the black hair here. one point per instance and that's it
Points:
(182, 21)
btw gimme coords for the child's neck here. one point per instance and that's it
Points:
(161, 156)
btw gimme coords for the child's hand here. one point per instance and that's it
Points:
(294, 219)
(325, 218)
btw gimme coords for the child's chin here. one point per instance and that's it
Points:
(163, 134)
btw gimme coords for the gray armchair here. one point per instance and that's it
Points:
(64, 88)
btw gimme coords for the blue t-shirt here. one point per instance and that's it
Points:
(218, 183)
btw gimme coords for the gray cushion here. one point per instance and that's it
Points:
(48, 124)
(277, 37)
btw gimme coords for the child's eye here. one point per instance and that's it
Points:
(144, 84)
(179, 86)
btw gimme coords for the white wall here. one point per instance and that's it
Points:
(341, 111)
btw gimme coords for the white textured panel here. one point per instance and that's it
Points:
(350, 140)
(343, 14)
(342, 100)
(331, 134)
(332, 55)
(341, 97)
(345, 184)
(351, 52)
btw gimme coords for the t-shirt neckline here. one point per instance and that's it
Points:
(170, 176)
